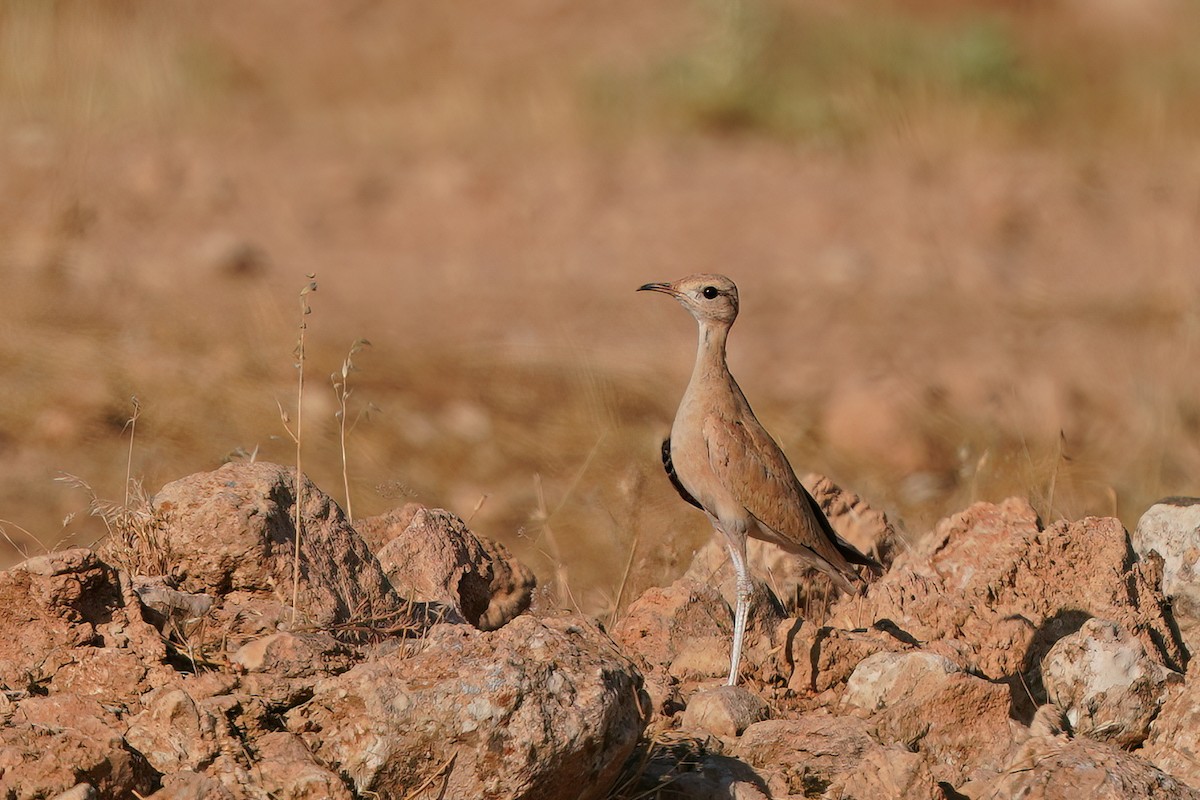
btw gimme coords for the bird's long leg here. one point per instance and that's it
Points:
(737, 554)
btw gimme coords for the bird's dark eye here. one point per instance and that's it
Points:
(710, 292)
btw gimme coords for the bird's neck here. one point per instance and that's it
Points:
(710, 355)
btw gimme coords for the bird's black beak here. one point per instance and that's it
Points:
(665, 288)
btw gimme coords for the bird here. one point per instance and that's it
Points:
(721, 459)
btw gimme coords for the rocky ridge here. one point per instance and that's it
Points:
(1002, 657)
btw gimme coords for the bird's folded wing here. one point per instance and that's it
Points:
(758, 474)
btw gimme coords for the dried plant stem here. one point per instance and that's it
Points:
(562, 585)
(299, 493)
(297, 437)
(478, 505)
(612, 618)
(132, 425)
(341, 388)
(6, 524)
(442, 772)
(345, 466)
(1059, 457)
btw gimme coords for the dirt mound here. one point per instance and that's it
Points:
(200, 682)
(1003, 658)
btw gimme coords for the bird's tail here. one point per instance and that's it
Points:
(852, 554)
(848, 579)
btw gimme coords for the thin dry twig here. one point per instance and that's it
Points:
(131, 424)
(686, 756)
(297, 437)
(20, 548)
(1060, 457)
(443, 771)
(561, 584)
(612, 619)
(482, 499)
(341, 388)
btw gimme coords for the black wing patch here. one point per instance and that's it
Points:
(670, 468)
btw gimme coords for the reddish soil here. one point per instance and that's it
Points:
(947, 300)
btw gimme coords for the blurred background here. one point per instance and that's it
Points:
(966, 237)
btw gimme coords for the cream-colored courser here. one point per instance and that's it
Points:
(722, 460)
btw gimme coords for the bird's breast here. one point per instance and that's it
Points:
(693, 466)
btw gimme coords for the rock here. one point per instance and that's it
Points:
(1001, 590)
(889, 773)
(71, 626)
(191, 786)
(659, 624)
(51, 605)
(855, 520)
(208, 738)
(175, 733)
(52, 744)
(925, 702)
(824, 658)
(282, 667)
(717, 779)
(237, 707)
(724, 710)
(1171, 528)
(1057, 768)
(170, 611)
(702, 659)
(75, 655)
(1174, 741)
(80, 791)
(806, 754)
(430, 556)
(115, 676)
(879, 681)
(1048, 720)
(1105, 684)
(697, 767)
(231, 534)
(537, 709)
(238, 778)
(510, 589)
(290, 655)
(816, 755)
(288, 771)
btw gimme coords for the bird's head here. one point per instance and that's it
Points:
(707, 297)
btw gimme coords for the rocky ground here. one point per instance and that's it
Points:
(1003, 658)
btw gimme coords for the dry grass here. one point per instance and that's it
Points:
(965, 239)
(133, 530)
